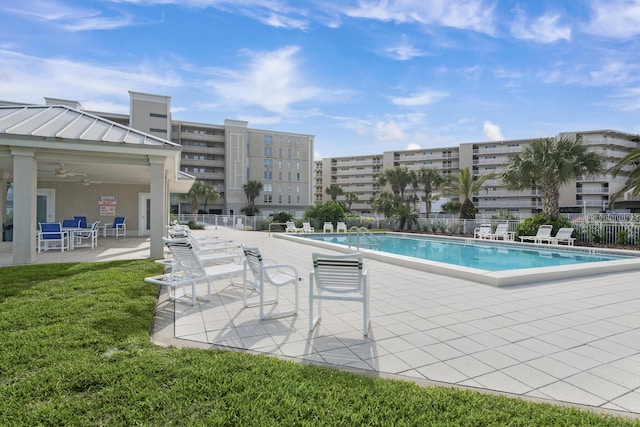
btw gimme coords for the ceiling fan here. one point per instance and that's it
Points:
(61, 172)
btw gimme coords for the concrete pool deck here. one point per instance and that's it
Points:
(569, 342)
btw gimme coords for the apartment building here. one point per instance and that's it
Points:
(226, 156)
(360, 174)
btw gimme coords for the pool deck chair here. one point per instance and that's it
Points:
(543, 234)
(502, 232)
(118, 228)
(258, 273)
(291, 227)
(51, 236)
(341, 227)
(482, 232)
(307, 228)
(563, 236)
(327, 227)
(187, 271)
(338, 277)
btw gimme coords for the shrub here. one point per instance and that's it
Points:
(529, 227)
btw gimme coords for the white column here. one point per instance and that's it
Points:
(25, 188)
(4, 179)
(159, 206)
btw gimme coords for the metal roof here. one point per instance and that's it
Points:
(59, 121)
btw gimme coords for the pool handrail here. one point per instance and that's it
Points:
(372, 241)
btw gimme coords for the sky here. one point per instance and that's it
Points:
(363, 76)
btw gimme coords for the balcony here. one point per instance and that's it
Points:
(201, 137)
(203, 150)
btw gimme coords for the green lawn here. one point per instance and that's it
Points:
(75, 350)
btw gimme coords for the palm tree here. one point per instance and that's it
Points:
(430, 180)
(549, 163)
(465, 186)
(633, 180)
(349, 199)
(334, 190)
(405, 215)
(252, 190)
(384, 204)
(398, 178)
(199, 190)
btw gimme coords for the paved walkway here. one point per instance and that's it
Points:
(574, 342)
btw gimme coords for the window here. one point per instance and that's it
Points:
(298, 176)
(298, 188)
(157, 130)
(280, 176)
(268, 163)
(297, 165)
(268, 139)
(280, 198)
(268, 151)
(297, 142)
(268, 175)
(289, 176)
(160, 116)
(289, 199)
(268, 198)
(267, 187)
(297, 154)
(289, 165)
(289, 189)
(279, 164)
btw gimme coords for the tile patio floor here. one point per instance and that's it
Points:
(574, 342)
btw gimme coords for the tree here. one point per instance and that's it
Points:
(252, 190)
(199, 190)
(334, 190)
(549, 163)
(465, 186)
(398, 178)
(430, 180)
(350, 198)
(383, 204)
(405, 215)
(633, 180)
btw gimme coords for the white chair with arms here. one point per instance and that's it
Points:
(118, 228)
(90, 236)
(338, 277)
(52, 236)
(258, 274)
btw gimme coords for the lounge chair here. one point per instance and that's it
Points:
(341, 227)
(187, 270)
(307, 228)
(51, 236)
(564, 236)
(291, 227)
(327, 227)
(259, 273)
(543, 234)
(118, 228)
(502, 232)
(482, 232)
(338, 277)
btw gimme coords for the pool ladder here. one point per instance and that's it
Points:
(364, 238)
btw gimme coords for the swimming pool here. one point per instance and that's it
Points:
(496, 263)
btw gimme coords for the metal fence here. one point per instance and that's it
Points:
(593, 228)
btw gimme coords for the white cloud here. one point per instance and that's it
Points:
(615, 18)
(413, 146)
(272, 80)
(69, 18)
(404, 50)
(423, 97)
(544, 29)
(492, 131)
(476, 15)
(389, 131)
(28, 79)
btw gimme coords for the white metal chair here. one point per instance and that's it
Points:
(257, 274)
(338, 277)
(118, 228)
(187, 270)
(482, 232)
(564, 236)
(327, 227)
(51, 236)
(90, 236)
(502, 232)
(543, 234)
(341, 227)
(307, 228)
(291, 227)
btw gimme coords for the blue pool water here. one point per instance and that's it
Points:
(477, 254)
